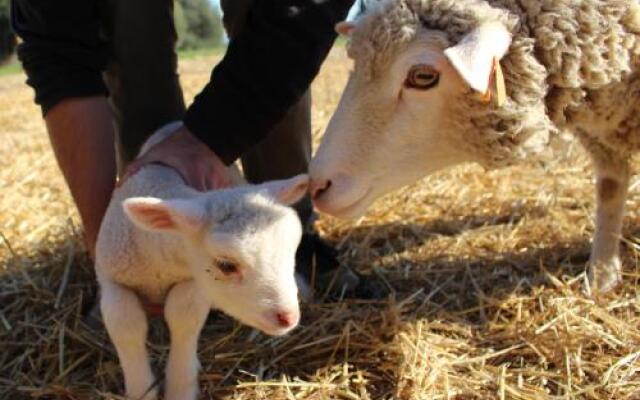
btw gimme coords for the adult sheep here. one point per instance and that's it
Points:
(441, 82)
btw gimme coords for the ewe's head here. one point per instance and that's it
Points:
(240, 244)
(414, 102)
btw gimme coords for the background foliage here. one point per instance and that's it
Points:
(198, 24)
(7, 38)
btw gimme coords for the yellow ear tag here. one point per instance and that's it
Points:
(486, 96)
(501, 90)
(495, 78)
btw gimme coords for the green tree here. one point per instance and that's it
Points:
(198, 24)
(7, 37)
(181, 25)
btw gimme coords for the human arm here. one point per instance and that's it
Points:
(63, 56)
(268, 66)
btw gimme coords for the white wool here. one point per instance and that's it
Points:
(571, 66)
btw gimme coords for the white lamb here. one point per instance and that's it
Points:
(442, 82)
(162, 242)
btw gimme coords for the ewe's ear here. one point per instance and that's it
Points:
(345, 28)
(165, 215)
(474, 56)
(288, 191)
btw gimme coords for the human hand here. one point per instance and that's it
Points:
(200, 167)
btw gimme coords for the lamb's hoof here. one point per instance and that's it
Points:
(604, 276)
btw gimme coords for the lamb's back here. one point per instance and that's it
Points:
(145, 261)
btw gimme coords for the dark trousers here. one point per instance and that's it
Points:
(145, 90)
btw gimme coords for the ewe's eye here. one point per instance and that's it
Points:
(227, 267)
(422, 77)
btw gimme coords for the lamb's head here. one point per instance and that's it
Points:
(240, 244)
(416, 101)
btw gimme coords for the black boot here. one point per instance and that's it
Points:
(317, 263)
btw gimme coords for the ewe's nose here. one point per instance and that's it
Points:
(287, 319)
(318, 187)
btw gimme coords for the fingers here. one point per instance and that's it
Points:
(209, 182)
(203, 177)
(203, 185)
(129, 171)
(189, 170)
(198, 166)
(217, 179)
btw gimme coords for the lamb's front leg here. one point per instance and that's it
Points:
(185, 313)
(126, 322)
(612, 181)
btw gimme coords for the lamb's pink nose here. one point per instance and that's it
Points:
(287, 319)
(318, 187)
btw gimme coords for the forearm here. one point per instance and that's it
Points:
(267, 68)
(81, 133)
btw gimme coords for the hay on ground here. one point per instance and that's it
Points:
(482, 276)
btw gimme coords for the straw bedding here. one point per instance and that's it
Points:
(479, 279)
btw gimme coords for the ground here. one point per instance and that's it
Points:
(482, 276)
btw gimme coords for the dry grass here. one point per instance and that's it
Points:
(483, 271)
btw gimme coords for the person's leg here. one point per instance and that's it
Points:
(142, 77)
(285, 152)
(144, 95)
(233, 15)
(81, 135)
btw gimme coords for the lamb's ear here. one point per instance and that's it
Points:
(165, 215)
(345, 28)
(474, 56)
(288, 191)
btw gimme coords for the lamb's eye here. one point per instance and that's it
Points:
(422, 77)
(227, 267)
